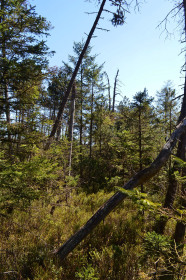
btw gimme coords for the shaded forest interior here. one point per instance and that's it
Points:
(70, 141)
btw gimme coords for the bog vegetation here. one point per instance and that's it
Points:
(47, 194)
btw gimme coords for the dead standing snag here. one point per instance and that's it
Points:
(141, 177)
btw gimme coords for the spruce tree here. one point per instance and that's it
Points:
(22, 62)
(143, 114)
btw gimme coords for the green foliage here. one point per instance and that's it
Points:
(156, 244)
(23, 64)
(41, 206)
(140, 199)
(22, 182)
(87, 273)
(181, 163)
(179, 178)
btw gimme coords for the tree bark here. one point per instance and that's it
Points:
(59, 130)
(139, 178)
(69, 88)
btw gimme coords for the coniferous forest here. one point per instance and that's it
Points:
(92, 182)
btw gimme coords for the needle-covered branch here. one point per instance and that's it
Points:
(141, 177)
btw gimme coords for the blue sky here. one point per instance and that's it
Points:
(143, 53)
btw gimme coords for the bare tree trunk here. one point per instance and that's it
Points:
(90, 137)
(140, 145)
(81, 126)
(108, 91)
(69, 88)
(71, 126)
(100, 129)
(114, 92)
(7, 106)
(91, 120)
(5, 82)
(59, 130)
(139, 178)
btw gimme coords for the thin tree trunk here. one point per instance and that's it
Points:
(109, 95)
(81, 125)
(59, 130)
(100, 130)
(7, 105)
(4, 81)
(90, 139)
(71, 126)
(114, 92)
(69, 88)
(91, 120)
(141, 177)
(140, 145)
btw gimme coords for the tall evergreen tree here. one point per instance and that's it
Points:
(167, 107)
(143, 113)
(88, 86)
(22, 58)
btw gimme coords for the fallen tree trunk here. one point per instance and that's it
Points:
(141, 177)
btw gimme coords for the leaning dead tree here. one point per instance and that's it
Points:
(70, 85)
(118, 18)
(141, 177)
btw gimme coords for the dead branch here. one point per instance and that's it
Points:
(177, 97)
(103, 29)
(172, 13)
